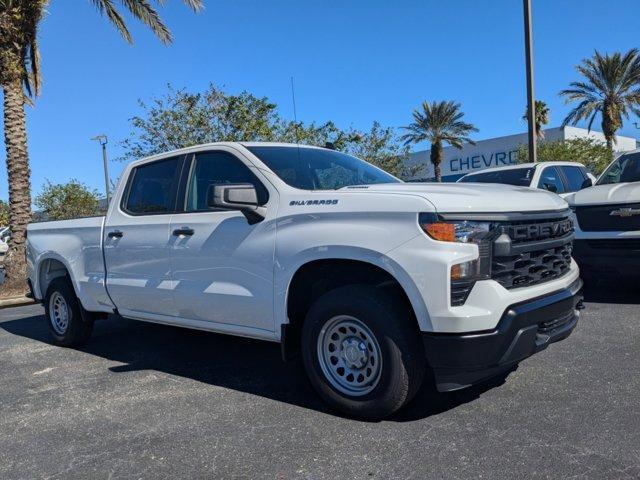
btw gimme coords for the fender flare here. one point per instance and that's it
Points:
(285, 274)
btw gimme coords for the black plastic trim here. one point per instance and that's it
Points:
(460, 360)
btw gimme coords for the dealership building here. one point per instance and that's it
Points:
(497, 152)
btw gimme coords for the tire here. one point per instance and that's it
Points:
(64, 316)
(375, 339)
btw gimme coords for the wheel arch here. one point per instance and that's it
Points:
(332, 271)
(49, 268)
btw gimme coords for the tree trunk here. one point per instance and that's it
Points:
(609, 126)
(18, 173)
(609, 144)
(436, 159)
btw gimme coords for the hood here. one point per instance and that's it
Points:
(473, 197)
(607, 194)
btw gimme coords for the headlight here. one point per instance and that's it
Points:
(463, 231)
(463, 275)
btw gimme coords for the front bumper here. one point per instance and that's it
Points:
(608, 257)
(460, 360)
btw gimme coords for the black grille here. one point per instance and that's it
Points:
(599, 218)
(540, 252)
(530, 268)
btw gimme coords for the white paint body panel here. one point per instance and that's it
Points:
(233, 277)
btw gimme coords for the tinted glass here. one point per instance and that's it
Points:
(624, 169)
(319, 169)
(514, 176)
(575, 177)
(551, 180)
(213, 168)
(152, 187)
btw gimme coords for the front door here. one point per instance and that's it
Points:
(137, 245)
(222, 265)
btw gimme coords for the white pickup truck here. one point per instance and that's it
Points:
(608, 222)
(370, 279)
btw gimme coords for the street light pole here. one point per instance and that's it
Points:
(103, 142)
(531, 102)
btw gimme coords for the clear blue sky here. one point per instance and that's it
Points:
(353, 62)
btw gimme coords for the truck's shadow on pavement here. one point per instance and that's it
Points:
(240, 364)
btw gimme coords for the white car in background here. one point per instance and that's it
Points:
(607, 223)
(4, 240)
(562, 178)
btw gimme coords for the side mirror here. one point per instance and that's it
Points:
(586, 184)
(236, 196)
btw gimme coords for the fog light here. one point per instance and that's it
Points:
(466, 270)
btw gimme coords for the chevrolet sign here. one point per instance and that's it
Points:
(625, 212)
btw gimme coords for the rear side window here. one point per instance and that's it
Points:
(152, 188)
(575, 177)
(215, 168)
(550, 180)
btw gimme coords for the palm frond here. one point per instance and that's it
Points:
(105, 7)
(144, 11)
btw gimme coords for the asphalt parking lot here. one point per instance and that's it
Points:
(150, 401)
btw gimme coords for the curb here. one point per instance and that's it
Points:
(16, 302)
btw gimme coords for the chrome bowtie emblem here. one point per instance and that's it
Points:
(625, 212)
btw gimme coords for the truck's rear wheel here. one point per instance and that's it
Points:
(63, 314)
(362, 351)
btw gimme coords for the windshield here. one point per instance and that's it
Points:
(520, 177)
(625, 169)
(318, 168)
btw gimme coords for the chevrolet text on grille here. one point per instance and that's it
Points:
(540, 230)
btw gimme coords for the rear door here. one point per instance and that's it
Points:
(137, 240)
(222, 265)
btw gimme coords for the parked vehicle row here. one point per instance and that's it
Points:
(374, 282)
(607, 221)
(606, 215)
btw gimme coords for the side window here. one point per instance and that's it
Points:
(152, 188)
(211, 168)
(575, 177)
(612, 174)
(550, 180)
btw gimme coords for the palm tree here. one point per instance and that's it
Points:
(611, 87)
(438, 122)
(20, 81)
(541, 117)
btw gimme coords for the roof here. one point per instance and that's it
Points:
(204, 146)
(524, 165)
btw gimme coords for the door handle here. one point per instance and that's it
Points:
(184, 231)
(115, 234)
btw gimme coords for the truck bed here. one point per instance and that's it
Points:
(77, 245)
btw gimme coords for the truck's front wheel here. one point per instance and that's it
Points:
(62, 311)
(362, 351)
